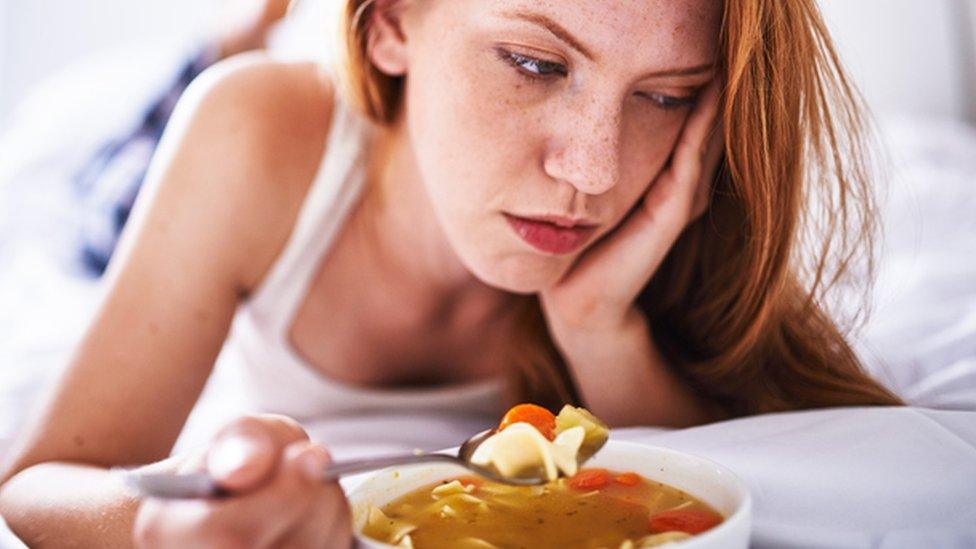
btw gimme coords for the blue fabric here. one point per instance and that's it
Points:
(110, 181)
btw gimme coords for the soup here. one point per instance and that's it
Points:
(577, 507)
(594, 508)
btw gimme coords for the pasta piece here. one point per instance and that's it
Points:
(470, 499)
(450, 488)
(663, 538)
(566, 449)
(460, 503)
(389, 530)
(520, 450)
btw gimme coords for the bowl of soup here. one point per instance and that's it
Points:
(627, 496)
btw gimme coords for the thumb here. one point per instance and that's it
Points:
(241, 459)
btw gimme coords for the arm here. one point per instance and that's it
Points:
(642, 390)
(203, 234)
(592, 313)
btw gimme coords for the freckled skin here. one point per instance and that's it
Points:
(487, 141)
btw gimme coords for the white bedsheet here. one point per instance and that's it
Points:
(893, 478)
(921, 337)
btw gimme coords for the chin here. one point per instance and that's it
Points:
(521, 273)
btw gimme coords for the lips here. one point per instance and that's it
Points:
(553, 235)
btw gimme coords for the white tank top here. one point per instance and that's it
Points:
(274, 377)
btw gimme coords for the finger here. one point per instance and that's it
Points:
(672, 200)
(329, 520)
(271, 513)
(693, 144)
(255, 519)
(246, 452)
(710, 165)
(648, 231)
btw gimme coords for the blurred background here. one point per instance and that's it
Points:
(75, 74)
(41, 37)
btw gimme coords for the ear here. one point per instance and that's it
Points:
(387, 42)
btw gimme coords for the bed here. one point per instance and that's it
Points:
(891, 477)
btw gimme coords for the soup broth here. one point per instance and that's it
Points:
(595, 508)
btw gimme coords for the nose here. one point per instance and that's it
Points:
(586, 153)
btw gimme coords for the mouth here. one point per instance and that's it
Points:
(552, 234)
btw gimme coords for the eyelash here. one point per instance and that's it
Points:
(546, 69)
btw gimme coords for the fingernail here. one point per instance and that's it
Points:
(232, 453)
(313, 462)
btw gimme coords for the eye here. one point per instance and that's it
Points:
(531, 67)
(668, 102)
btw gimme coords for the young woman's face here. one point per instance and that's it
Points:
(520, 109)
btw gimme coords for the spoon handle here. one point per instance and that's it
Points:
(201, 485)
(342, 468)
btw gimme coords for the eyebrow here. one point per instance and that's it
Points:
(555, 28)
(561, 33)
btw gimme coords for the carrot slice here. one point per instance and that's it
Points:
(534, 415)
(691, 521)
(628, 479)
(590, 479)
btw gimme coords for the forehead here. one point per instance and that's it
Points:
(671, 29)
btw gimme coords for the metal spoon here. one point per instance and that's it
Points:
(202, 485)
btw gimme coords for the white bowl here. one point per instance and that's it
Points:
(702, 478)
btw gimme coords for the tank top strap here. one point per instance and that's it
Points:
(337, 185)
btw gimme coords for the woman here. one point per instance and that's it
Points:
(544, 196)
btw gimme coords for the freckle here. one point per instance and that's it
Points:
(153, 328)
(78, 440)
(200, 315)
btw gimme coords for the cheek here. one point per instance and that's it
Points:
(495, 117)
(647, 144)
(468, 124)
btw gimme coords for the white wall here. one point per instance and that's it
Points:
(38, 37)
(907, 55)
(3, 57)
(968, 22)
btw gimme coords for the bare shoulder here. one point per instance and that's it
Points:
(249, 134)
(271, 94)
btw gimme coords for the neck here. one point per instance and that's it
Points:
(409, 250)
